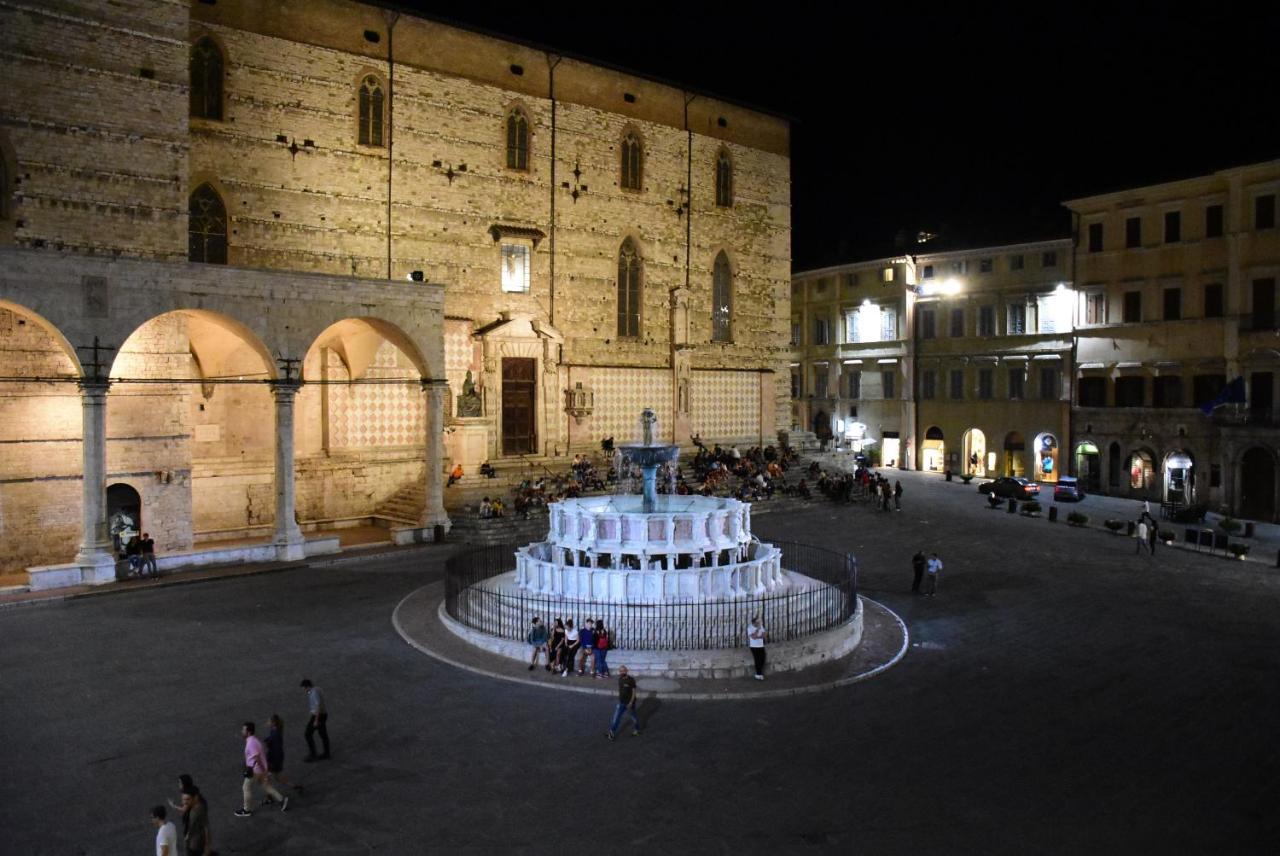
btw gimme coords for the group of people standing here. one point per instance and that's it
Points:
(563, 644)
(263, 768)
(1147, 531)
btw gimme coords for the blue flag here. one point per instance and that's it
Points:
(1232, 393)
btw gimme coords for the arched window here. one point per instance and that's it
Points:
(724, 180)
(722, 300)
(206, 80)
(517, 140)
(632, 161)
(370, 112)
(629, 273)
(207, 227)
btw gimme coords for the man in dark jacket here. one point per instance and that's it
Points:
(917, 568)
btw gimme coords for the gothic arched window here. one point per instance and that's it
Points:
(724, 180)
(629, 273)
(207, 227)
(632, 161)
(206, 80)
(517, 140)
(370, 112)
(722, 300)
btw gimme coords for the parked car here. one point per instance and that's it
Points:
(1067, 490)
(1009, 486)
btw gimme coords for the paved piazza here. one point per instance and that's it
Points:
(1060, 695)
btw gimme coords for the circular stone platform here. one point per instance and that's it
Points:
(882, 641)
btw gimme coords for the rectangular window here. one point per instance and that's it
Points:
(1167, 391)
(928, 272)
(1049, 384)
(888, 274)
(1264, 211)
(1017, 319)
(1049, 259)
(957, 323)
(1015, 262)
(1215, 475)
(1130, 391)
(1017, 379)
(851, 326)
(888, 324)
(886, 384)
(928, 328)
(1095, 237)
(1213, 300)
(1173, 304)
(1092, 391)
(850, 280)
(1205, 388)
(929, 384)
(1132, 307)
(796, 389)
(1172, 227)
(984, 265)
(957, 384)
(821, 333)
(795, 333)
(1213, 221)
(986, 320)
(986, 383)
(1264, 304)
(855, 385)
(820, 381)
(1133, 233)
(961, 266)
(1095, 308)
(515, 268)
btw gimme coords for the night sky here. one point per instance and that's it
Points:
(970, 124)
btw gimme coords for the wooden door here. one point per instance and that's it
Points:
(518, 393)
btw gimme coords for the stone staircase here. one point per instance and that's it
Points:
(406, 505)
(467, 528)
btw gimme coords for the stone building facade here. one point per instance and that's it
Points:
(241, 196)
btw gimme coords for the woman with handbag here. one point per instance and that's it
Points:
(555, 647)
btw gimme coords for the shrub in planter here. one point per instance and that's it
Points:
(1031, 508)
(1239, 550)
(966, 478)
(1229, 525)
(1167, 536)
(1114, 525)
(1075, 518)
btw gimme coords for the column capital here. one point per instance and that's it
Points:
(285, 387)
(93, 386)
(434, 384)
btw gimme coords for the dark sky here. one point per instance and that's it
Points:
(973, 124)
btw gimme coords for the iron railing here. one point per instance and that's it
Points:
(667, 625)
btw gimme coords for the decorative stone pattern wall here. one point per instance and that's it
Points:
(726, 405)
(620, 396)
(388, 414)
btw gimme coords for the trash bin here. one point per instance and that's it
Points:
(948, 475)
(1013, 505)
(1053, 514)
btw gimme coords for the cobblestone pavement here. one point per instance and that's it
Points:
(1062, 695)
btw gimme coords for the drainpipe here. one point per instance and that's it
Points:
(688, 183)
(1075, 348)
(392, 17)
(552, 62)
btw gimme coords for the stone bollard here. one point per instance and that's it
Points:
(1053, 514)
(1013, 505)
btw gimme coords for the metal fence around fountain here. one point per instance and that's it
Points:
(658, 626)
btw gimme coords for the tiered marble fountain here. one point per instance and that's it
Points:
(666, 558)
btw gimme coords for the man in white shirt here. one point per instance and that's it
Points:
(933, 569)
(755, 641)
(166, 833)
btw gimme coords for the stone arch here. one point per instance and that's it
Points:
(49, 328)
(631, 157)
(1046, 455)
(1139, 473)
(1015, 447)
(724, 175)
(933, 451)
(207, 72)
(211, 349)
(723, 298)
(517, 136)
(355, 338)
(974, 458)
(372, 99)
(1178, 476)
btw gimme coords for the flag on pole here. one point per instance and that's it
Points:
(1232, 393)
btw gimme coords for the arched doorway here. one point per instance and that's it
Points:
(933, 451)
(1141, 472)
(124, 514)
(975, 452)
(1014, 448)
(1179, 477)
(1088, 467)
(1258, 484)
(1113, 468)
(1046, 458)
(822, 425)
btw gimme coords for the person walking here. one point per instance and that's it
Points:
(317, 723)
(537, 637)
(195, 818)
(603, 643)
(917, 569)
(587, 641)
(1141, 536)
(569, 651)
(255, 770)
(934, 567)
(166, 832)
(755, 641)
(897, 494)
(275, 752)
(1153, 535)
(628, 694)
(147, 548)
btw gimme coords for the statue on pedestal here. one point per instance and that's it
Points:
(469, 403)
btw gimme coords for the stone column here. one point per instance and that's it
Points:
(434, 514)
(288, 538)
(95, 557)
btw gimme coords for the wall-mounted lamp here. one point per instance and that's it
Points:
(414, 276)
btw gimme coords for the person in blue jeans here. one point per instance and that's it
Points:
(603, 642)
(627, 696)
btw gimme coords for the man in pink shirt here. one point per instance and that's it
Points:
(255, 770)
